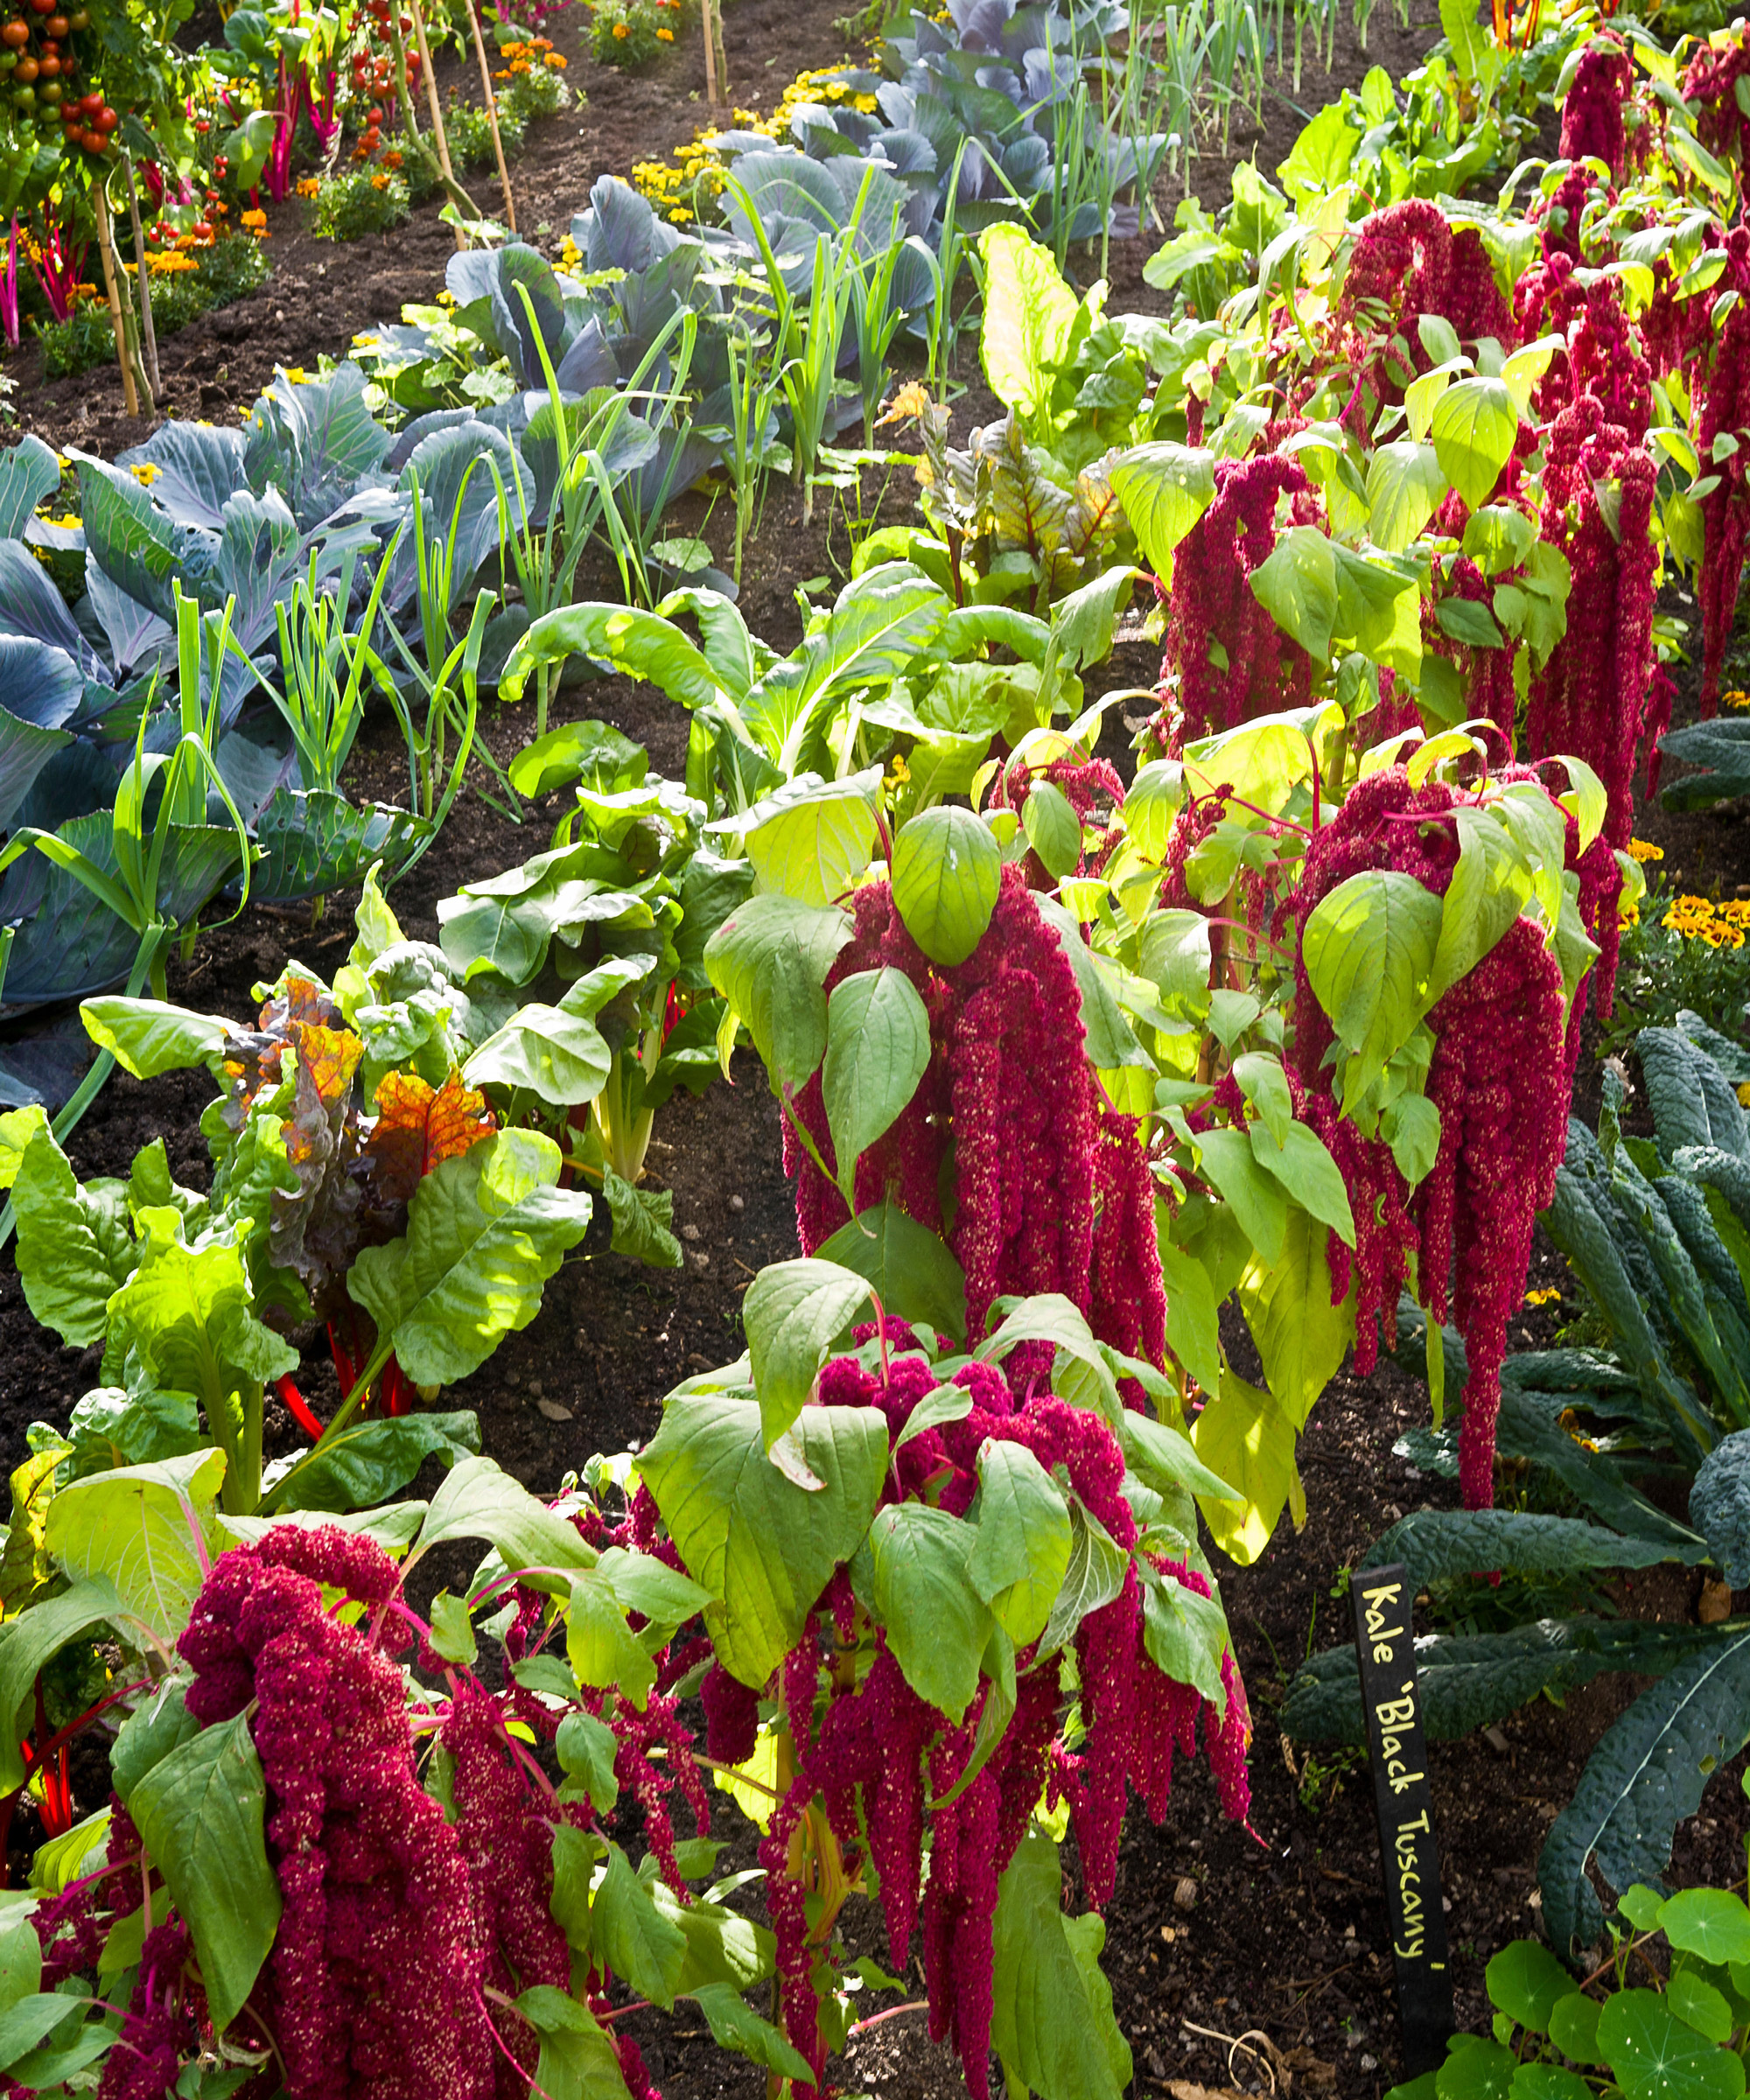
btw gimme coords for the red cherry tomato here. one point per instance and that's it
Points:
(59, 26)
(16, 35)
(49, 66)
(105, 122)
(26, 71)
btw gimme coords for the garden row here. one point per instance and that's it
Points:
(1066, 1065)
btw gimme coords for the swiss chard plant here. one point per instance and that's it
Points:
(1658, 1230)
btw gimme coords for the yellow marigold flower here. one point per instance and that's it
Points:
(570, 253)
(1743, 1092)
(296, 374)
(256, 221)
(1643, 850)
(620, 30)
(145, 473)
(1547, 1297)
(557, 59)
(865, 105)
(681, 215)
(909, 403)
(309, 186)
(665, 36)
(1735, 698)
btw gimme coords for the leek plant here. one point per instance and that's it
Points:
(323, 711)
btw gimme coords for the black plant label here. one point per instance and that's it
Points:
(1409, 1853)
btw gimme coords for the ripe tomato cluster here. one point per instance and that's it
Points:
(44, 68)
(373, 68)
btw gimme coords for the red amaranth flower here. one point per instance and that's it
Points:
(159, 2030)
(1591, 114)
(1227, 660)
(373, 1989)
(1590, 699)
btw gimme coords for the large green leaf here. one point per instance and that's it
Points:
(1474, 427)
(1297, 585)
(200, 1812)
(735, 2024)
(367, 1462)
(877, 1048)
(148, 1038)
(1647, 1774)
(911, 1574)
(146, 1529)
(1406, 485)
(947, 869)
(478, 1500)
(557, 1052)
(1301, 1336)
(761, 1544)
(769, 959)
(74, 1247)
(1021, 1553)
(32, 1639)
(484, 1232)
(577, 2060)
(631, 1936)
(1369, 945)
(811, 838)
(1051, 2022)
(1029, 312)
(907, 1267)
(1245, 1439)
(1164, 489)
(1490, 887)
(1435, 1544)
(637, 642)
(791, 1313)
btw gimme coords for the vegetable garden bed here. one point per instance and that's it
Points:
(1252, 1956)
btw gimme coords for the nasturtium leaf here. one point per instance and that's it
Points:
(735, 2024)
(1474, 427)
(143, 1528)
(877, 1048)
(769, 959)
(1710, 1923)
(906, 1266)
(1052, 2022)
(1699, 2005)
(947, 869)
(147, 1037)
(1525, 1980)
(1369, 947)
(912, 1575)
(762, 1545)
(1023, 1536)
(1656, 2056)
(201, 1811)
(1573, 2026)
(1476, 2071)
(485, 1232)
(478, 1499)
(791, 1310)
(1547, 2081)
(1164, 489)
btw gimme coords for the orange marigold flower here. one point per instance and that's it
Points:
(665, 36)
(620, 30)
(556, 60)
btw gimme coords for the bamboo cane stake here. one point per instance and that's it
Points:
(432, 103)
(129, 394)
(492, 116)
(711, 51)
(149, 341)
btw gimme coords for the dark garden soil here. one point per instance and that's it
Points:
(1252, 1959)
